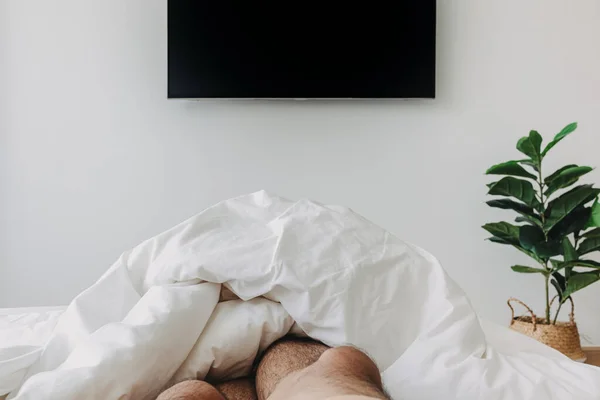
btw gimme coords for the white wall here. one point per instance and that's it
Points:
(96, 159)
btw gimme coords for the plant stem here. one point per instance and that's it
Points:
(542, 211)
(547, 299)
(542, 199)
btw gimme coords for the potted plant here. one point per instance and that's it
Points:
(558, 227)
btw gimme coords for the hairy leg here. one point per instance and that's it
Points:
(283, 358)
(343, 372)
(238, 389)
(191, 390)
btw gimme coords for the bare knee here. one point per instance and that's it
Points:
(283, 358)
(191, 390)
(351, 361)
(343, 371)
(238, 389)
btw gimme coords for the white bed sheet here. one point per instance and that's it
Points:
(27, 325)
(340, 278)
(23, 333)
(33, 326)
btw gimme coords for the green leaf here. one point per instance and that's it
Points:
(559, 265)
(529, 163)
(509, 236)
(566, 178)
(574, 222)
(530, 146)
(587, 264)
(517, 188)
(592, 234)
(561, 207)
(527, 212)
(507, 204)
(534, 240)
(569, 251)
(509, 168)
(570, 254)
(548, 180)
(560, 136)
(504, 231)
(498, 240)
(594, 220)
(559, 290)
(560, 280)
(530, 220)
(589, 245)
(579, 281)
(529, 253)
(546, 250)
(530, 236)
(528, 270)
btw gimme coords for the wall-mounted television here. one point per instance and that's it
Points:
(301, 49)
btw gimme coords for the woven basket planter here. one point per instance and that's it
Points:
(563, 336)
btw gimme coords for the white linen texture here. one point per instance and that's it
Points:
(205, 297)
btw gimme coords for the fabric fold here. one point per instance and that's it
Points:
(323, 271)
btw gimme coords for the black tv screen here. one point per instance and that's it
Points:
(303, 49)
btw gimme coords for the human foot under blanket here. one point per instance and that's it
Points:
(159, 316)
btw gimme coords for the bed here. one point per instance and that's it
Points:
(28, 325)
(157, 314)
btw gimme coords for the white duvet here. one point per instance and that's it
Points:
(204, 298)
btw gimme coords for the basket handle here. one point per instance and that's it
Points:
(572, 313)
(512, 310)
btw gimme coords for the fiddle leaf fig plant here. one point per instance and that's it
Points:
(558, 219)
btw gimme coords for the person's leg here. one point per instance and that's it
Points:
(238, 389)
(191, 390)
(283, 358)
(294, 370)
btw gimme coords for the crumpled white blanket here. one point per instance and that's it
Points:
(154, 318)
